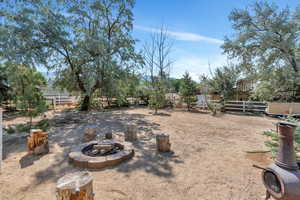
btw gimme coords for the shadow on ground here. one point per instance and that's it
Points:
(67, 132)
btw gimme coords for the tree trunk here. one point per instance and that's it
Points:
(30, 122)
(75, 186)
(155, 111)
(85, 105)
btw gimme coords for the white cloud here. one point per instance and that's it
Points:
(196, 65)
(182, 35)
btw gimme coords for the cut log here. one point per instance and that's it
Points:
(37, 143)
(163, 143)
(90, 134)
(131, 132)
(107, 147)
(75, 186)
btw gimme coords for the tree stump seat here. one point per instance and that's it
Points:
(37, 142)
(75, 186)
(163, 143)
(90, 133)
(131, 132)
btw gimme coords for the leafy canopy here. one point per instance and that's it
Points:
(266, 45)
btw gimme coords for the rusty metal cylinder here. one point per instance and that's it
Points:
(286, 156)
(282, 179)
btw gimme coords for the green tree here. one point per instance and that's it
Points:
(222, 81)
(84, 41)
(175, 84)
(188, 90)
(4, 85)
(157, 99)
(266, 44)
(25, 83)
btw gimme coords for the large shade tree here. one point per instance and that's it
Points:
(85, 41)
(266, 44)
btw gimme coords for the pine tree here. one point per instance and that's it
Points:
(188, 90)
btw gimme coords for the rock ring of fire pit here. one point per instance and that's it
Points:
(96, 155)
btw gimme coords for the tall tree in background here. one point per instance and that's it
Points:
(267, 45)
(158, 65)
(188, 90)
(84, 40)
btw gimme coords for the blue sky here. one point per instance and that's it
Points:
(197, 28)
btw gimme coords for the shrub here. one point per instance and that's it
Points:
(23, 127)
(213, 107)
(157, 99)
(10, 130)
(43, 124)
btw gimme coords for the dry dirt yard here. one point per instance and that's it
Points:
(209, 160)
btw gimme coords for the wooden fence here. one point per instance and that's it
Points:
(244, 106)
(56, 100)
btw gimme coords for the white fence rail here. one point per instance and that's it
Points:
(244, 106)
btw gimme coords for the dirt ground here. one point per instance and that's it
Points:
(209, 160)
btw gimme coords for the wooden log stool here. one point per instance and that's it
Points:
(163, 143)
(75, 186)
(131, 132)
(37, 142)
(90, 133)
(108, 135)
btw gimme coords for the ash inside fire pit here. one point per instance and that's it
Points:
(102, 149)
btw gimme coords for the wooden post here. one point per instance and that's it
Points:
(54, 103)
(1, 142)
(163, 143)
(75, 186)
(244, 106)
(131, 132)
(37, 143)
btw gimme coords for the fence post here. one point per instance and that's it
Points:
(54, 103)
(244, 106)
(1, 140)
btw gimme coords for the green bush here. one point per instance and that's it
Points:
(10, 130)
(43, 124)
(213, 107)
(157, 99)
(23, 127)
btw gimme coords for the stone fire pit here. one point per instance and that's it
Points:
(97, 155)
